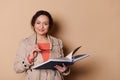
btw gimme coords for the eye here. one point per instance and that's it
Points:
(38, 23)
(45, 23)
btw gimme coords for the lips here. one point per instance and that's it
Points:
(41, 30)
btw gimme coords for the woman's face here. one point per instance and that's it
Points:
(42, 25)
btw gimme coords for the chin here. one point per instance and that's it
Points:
(42, 33)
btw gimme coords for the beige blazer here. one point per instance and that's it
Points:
(22, 65)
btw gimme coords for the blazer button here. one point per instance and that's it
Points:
(23, 62)
(25, 65)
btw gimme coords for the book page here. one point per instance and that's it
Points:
(79, 57)
(72, 53)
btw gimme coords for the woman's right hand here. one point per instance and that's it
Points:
(33, 54)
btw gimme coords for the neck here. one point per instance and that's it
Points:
(42, 38)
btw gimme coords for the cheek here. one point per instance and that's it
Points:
(36, 26)
(47, 27)
(35, 29)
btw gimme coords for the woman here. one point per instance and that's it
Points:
(38, 48)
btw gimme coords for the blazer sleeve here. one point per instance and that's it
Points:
(62, 54)
(21, 63)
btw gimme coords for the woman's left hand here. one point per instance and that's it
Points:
(62, 68)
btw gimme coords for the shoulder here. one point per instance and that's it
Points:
(29, 40)
(55, 41)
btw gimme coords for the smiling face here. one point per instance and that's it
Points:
(41, 25)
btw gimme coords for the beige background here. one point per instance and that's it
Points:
(93, 24)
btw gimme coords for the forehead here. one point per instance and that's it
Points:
(42, 18)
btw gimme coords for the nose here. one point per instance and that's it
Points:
(41, 25)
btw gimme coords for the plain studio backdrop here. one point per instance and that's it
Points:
(92, 24)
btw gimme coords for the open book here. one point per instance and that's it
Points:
(68, 60)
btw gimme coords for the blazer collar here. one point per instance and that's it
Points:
(34, 40)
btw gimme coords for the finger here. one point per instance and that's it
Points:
(37, 48)
(63, 65)
(58, 67)
(35, 54)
